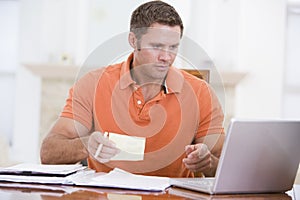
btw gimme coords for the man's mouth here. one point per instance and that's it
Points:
(162, 67)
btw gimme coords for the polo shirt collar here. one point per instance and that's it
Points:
(172, 84)
(174, 80)
(125, 76)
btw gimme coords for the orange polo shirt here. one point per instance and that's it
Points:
(107, 99)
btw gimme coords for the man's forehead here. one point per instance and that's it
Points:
(164, 30)
(169, 35)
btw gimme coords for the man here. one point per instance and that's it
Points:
(176, 114)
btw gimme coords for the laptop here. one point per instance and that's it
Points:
(258, 156)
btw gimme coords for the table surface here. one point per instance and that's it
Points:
(16, 191)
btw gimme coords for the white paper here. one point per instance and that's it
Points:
(34, 179)
(46, 177)
(132, 148)
(118, 178)
(43, 169)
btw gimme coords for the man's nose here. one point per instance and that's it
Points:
(165, 55)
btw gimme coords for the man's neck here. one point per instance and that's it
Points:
(150, 91)
(149, 88)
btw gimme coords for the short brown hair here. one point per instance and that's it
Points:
(153, 12)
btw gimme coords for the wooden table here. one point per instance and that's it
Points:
(13, 191)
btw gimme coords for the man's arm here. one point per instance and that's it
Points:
(65, 143)
(69, 142)
(203, 156)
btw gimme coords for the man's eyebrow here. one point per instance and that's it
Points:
(162, 44)
(156, 43)
(177, 44)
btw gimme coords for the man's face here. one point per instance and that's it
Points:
(156, 51)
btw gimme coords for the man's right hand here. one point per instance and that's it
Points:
(107, 149)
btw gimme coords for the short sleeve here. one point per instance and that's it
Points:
(211, 113)
(80, 102)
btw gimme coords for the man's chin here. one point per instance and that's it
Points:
(160, 75)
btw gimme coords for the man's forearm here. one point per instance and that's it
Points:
(59, 150)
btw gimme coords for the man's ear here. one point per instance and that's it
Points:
(132, 40)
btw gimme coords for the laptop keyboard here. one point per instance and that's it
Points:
(205, 182)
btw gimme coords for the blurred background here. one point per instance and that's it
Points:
(254, 44)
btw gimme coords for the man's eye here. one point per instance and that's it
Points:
(172, 48)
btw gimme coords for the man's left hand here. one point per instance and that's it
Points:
(199, 158)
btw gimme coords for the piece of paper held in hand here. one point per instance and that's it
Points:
(132, 148)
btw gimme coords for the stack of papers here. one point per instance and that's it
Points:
(80, 176)
(38, 173)
(41, 170)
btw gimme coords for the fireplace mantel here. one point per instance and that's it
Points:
(49, 70)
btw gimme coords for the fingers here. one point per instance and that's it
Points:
(196, 151)
(197, 165)
(101, 147)
(198, 157)
(189, 149)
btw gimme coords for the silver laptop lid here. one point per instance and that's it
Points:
(259, 156)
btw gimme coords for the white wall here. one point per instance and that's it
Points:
(291, 97)
(214, 26)
(9, 26)
(48, 30)
(246, 36)
(29, 48)
(261, 53)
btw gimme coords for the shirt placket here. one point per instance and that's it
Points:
(145, 106)
(138, 100)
